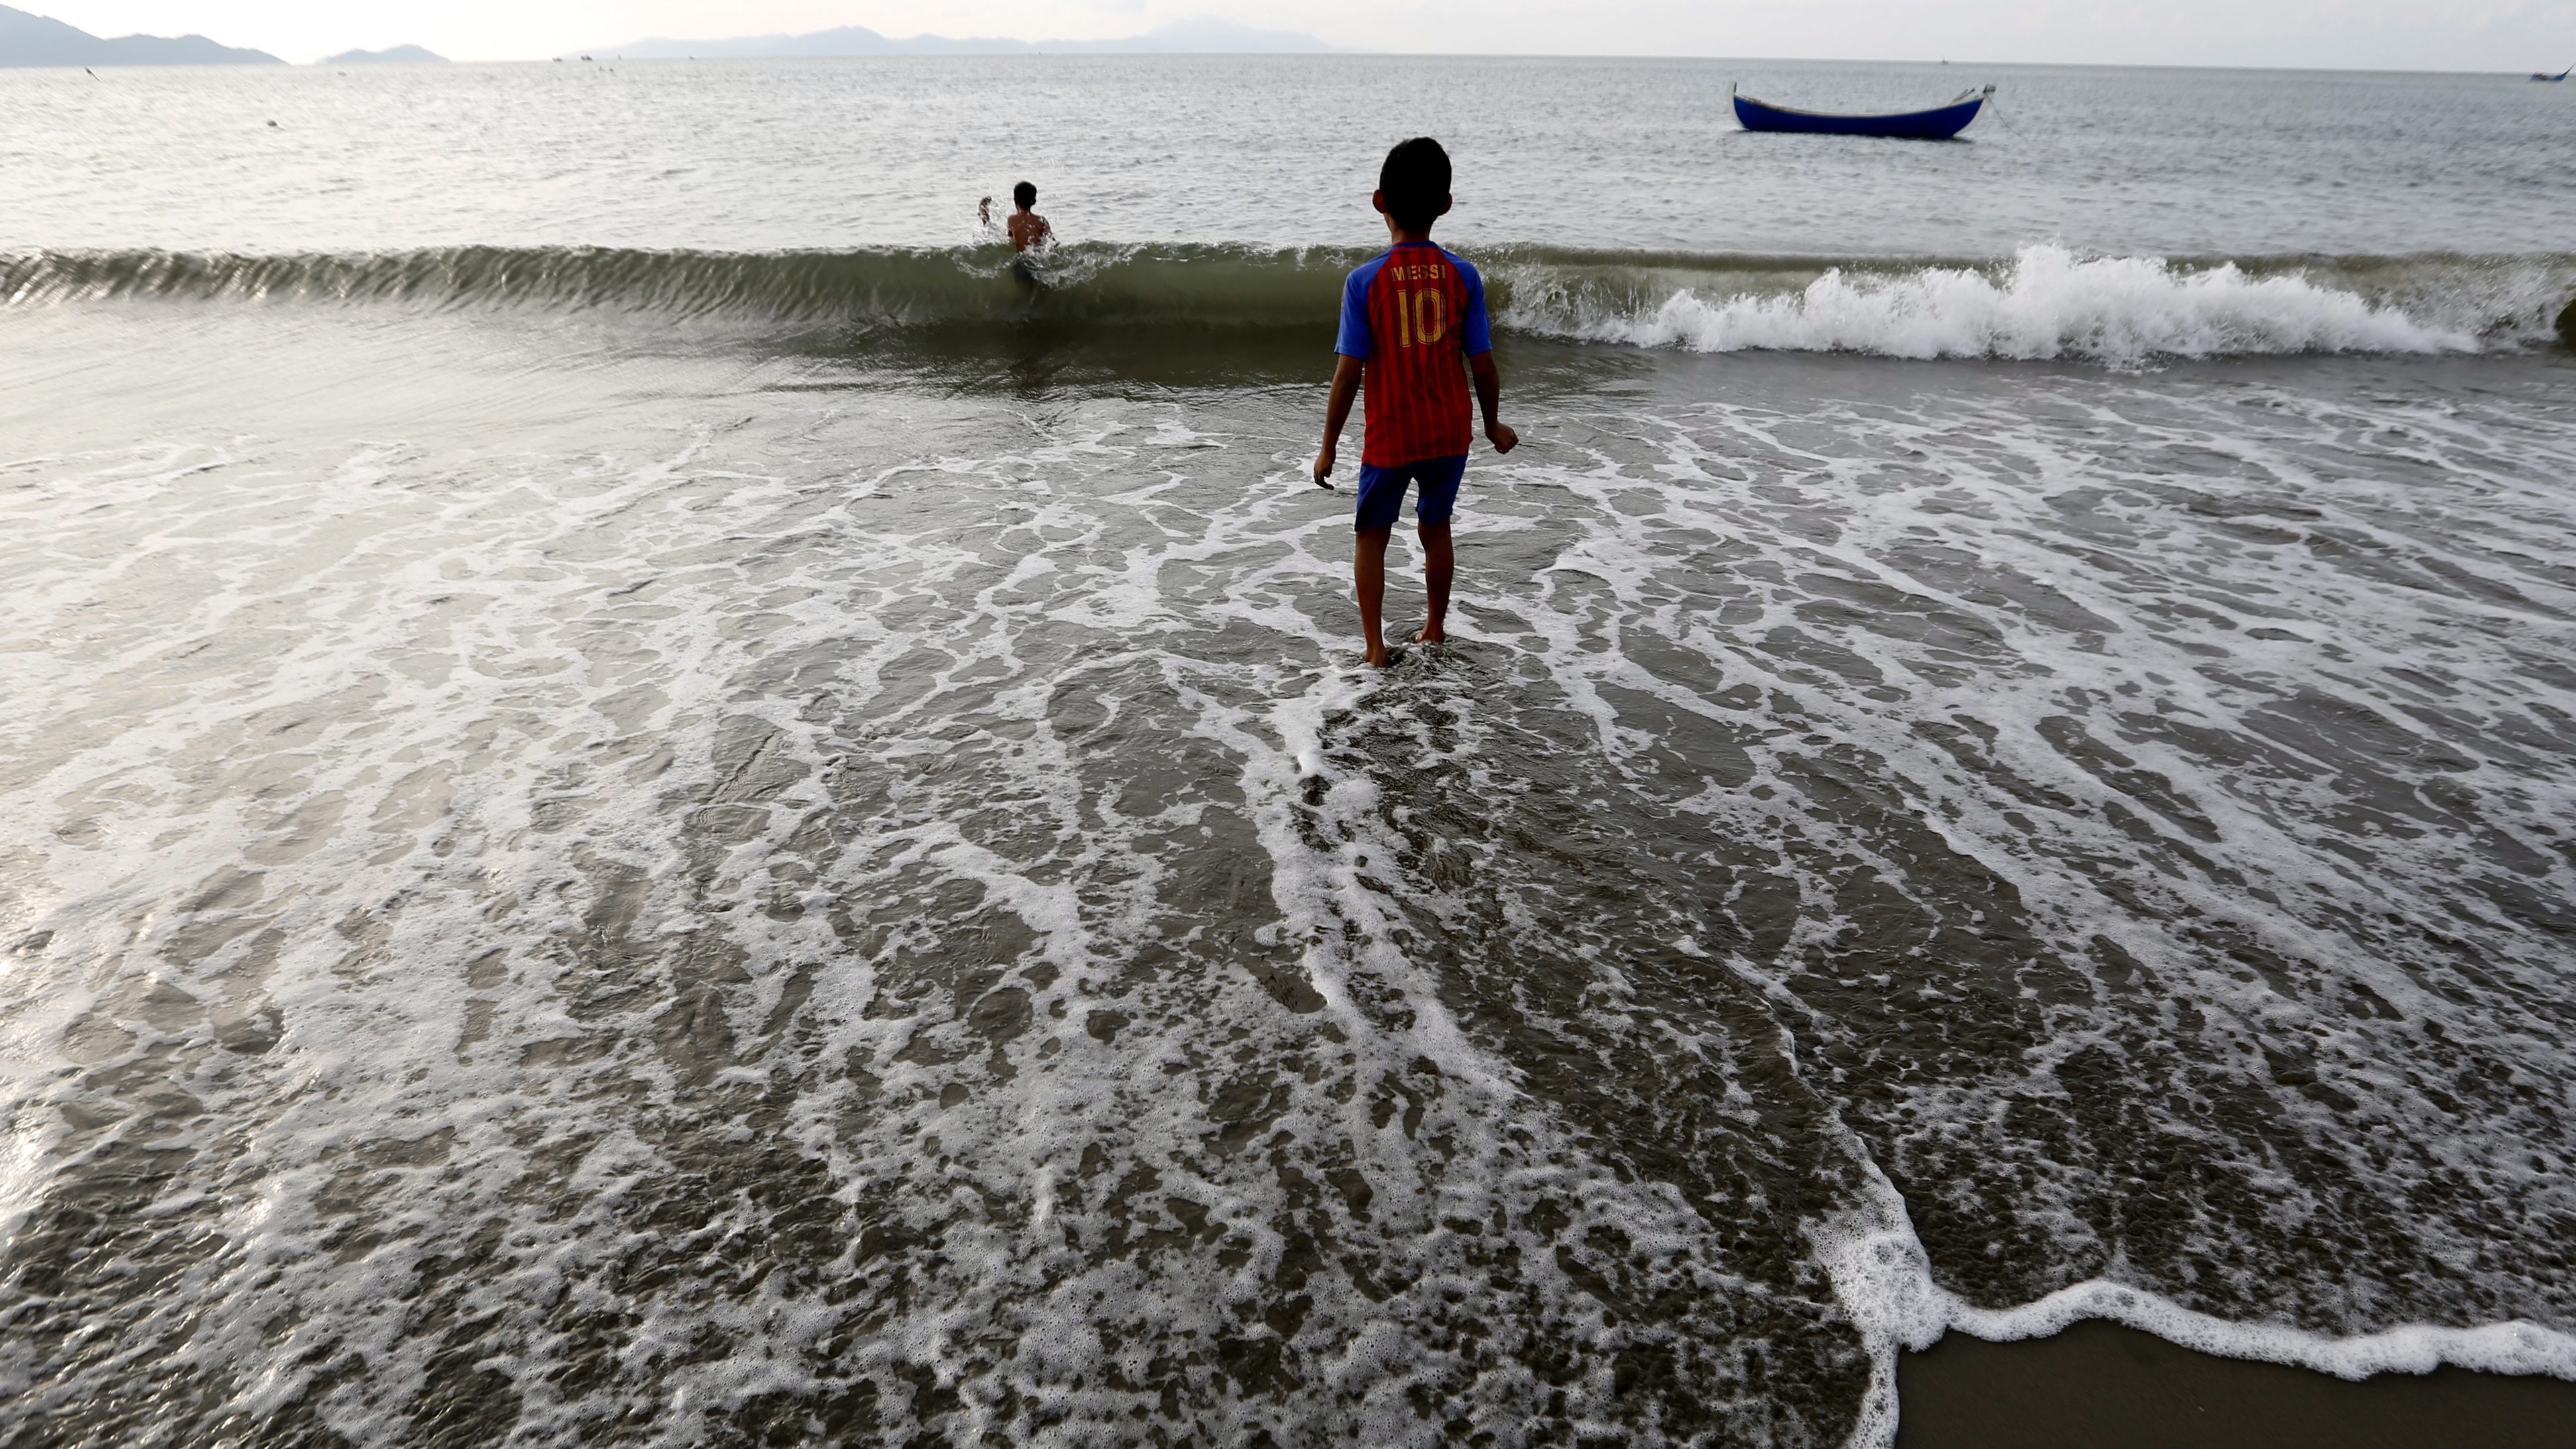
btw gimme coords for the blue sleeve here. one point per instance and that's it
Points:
(1479, 332)
(1354, 340)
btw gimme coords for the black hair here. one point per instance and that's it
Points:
(1415, 180)
(1025, 194)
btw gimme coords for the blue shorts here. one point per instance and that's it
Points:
(1382, 491)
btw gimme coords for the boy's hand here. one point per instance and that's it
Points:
(1337, 412)
(1502, 437)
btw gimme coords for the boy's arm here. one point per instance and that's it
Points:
(1478, 339)
(1337, 412)
(1352, 343)
(1489, 396)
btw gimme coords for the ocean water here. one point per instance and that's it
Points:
(645, 802)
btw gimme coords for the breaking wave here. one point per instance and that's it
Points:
(2049, 302)
(2044, 302)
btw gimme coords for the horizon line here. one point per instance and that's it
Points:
(597, 56)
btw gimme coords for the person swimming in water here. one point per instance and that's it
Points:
(1028, 231)
(1026, 228)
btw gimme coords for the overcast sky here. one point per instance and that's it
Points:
(2501, 35)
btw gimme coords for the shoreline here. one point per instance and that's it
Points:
(2107, 1386)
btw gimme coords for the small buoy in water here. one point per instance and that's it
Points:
(2567, 325)
(272, 125)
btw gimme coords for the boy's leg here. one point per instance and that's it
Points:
(1381, 496)
(1439, 566)
(1368, 571)
(1431, 509)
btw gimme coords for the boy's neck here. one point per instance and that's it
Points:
(1403, 237)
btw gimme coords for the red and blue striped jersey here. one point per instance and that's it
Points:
(1414, 315)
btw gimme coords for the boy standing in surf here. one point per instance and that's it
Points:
(1414, 328)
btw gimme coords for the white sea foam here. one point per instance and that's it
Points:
(834, 818)
(1884, 1279)
(2515, 1347)
(1994, 488)
(2049, 302)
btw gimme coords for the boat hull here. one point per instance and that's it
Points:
(1938, 124)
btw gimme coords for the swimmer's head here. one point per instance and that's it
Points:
(1024, 194)
(1413, 185)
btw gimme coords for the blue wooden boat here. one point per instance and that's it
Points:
(2552, 79)
(1938, 124)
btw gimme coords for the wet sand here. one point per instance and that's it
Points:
(2104, 1386)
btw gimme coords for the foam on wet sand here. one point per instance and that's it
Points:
(693, 898)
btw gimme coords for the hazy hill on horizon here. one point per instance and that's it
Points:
(38, 40)
(1203, 36)
(390, 55)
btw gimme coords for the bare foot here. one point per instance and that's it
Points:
(1380, 657)
(1431, 634)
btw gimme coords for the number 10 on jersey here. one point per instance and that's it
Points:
(1421, 318)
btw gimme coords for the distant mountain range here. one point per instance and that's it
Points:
(1188, 37)
(391, 55)
(37, 40)
(27, 40)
